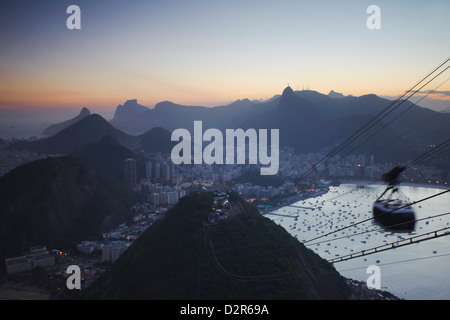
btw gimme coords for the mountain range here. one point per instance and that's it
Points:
(91, 129)
(308, 121)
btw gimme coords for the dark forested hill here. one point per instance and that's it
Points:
(56, 201)
(109, 155)
(179, 258)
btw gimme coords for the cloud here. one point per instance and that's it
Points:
(445, 93)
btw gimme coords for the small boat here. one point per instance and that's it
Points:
(393, 213)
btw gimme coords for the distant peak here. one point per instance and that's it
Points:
(131, 101)
(132, 104)
(165, 104)
(85, 112)
(289, 99)
(334, 94)
(288, 91)
(370, 95)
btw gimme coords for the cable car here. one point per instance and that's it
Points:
(392, 212)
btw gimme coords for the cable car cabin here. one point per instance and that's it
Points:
(393, 213)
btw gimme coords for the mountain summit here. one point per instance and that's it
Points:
(129, 110)
(335, 95)
(287, 91)
(292, 106)
(55, 128)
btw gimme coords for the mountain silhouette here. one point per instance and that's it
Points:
(174, 259)
(335, 95)
(55, 128)
(109, 155)
(156, 140)
(310, 121)
(171, 116)
(89, 129)
(127, 112)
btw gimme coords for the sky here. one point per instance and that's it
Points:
(207, 53)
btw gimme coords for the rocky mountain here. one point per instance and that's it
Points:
(335, 95)
(56, 201)
(180, 258)
(310, 121)
(55, 128)
(171, 116)
(129, 111)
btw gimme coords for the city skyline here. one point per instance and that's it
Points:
(203, 53)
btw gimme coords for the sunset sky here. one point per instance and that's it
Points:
(210, 52)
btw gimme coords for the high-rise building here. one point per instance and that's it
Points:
(172, 167)
(172, 197)
(157, 170)
(149, 169)
(163, 198)
(129, 171)
(165, 171)
(154, 198)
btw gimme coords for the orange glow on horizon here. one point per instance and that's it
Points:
(32, 93)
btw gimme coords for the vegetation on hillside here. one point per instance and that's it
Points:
(174, 259)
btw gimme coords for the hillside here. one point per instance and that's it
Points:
(174, 259)
(56, 201)
(156, 140)
(109, 155)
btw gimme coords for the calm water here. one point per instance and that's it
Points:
(416, 271)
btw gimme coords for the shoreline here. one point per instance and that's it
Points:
(401, 184)
(352, 182)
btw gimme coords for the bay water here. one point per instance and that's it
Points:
(419, 271)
